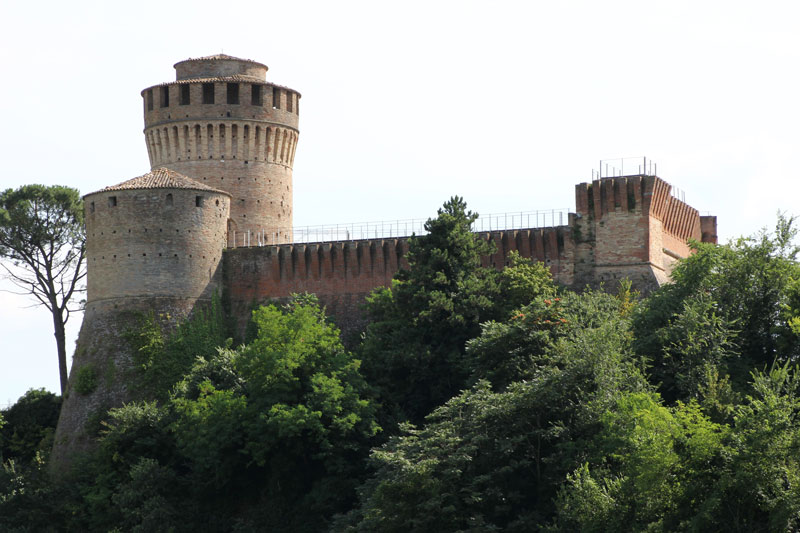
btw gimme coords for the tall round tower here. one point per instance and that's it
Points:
(223, 125)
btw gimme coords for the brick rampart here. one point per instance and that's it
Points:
(626, 227)
(342, 274)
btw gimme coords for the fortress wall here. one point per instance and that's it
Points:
(155, 242)
(102, 349)
(636, 229)
(342, 274)
(708, 229)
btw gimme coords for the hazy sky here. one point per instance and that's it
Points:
(509, 104)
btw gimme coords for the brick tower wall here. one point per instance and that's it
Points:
(243, 143)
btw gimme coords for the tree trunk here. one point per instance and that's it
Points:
(61, 339)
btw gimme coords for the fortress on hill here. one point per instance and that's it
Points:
(215, 214)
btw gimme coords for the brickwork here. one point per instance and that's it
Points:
(156, 242)
(628, 227)
(223, 124)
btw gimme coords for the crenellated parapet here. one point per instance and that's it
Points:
(635, 228)
(343, 273)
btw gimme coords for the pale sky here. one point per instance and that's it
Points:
(509, 104)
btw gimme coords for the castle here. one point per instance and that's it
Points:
(215, 214)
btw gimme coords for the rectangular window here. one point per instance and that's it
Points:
(149, 98)
(165, 97)
(91, 207)
(276, 98)
(289, 98)
(208, 93)
(185, 94)
(199, 201)
(256, 95)
(112, 201)
(233, 93)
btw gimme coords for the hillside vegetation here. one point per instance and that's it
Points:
(476, 400)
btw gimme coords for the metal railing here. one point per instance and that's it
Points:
(625, 166)
(387, 229)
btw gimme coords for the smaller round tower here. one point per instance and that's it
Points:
(159, 235)
(153, 244)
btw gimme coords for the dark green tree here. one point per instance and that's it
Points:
(414, 348)
(42, 241)
(30, 424)
(729, 310)
(494, 460)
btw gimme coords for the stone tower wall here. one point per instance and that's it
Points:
(155, 250)
(154, 243)
(243, 143)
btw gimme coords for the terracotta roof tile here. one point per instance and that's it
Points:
(235, 77)
(220, 56)
(160, 178)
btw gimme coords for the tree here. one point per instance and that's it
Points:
(31, 423)
(414, 347)
(271, 435)
(494, 460)
(42, 240)
(731, 308)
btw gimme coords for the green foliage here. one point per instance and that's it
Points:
(85, 381)
(730, 308)
(491, 460)
(270, 435)
(534, 406)
(29, 499)
(161, 358)
(414, 348)
(514, 349)
(522, 282)
(29, 426)
(42, 241)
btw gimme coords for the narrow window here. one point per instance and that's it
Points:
(199, 201)
(233, 93)
(149, 98)
(276, 98)
(256, 95)
(208, 93)
(169, 198)
(289, 98)
(91, 207)
(185, 94)
(112, 201)
(165, 97)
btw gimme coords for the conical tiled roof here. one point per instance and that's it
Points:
(160, 178)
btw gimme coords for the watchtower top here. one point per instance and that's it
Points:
(220, 66)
